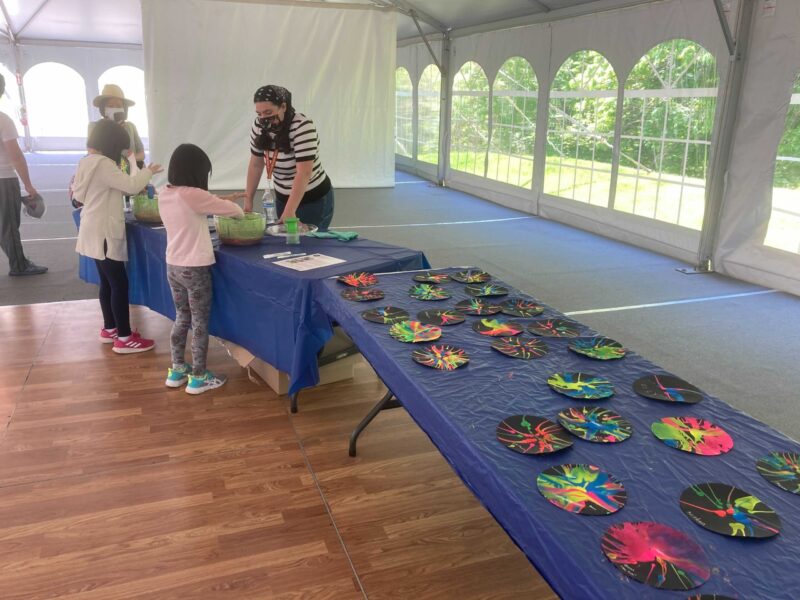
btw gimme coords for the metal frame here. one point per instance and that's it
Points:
(388, 402)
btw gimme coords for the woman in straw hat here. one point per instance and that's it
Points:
(113, 105)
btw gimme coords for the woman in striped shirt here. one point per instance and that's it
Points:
(287, 143)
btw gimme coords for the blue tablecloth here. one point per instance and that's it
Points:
(267, 309)
(459, 410)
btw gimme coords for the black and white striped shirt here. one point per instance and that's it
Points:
(304, 143)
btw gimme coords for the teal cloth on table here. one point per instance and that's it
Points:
(342, 236)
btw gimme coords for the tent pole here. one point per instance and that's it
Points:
(726, 30)
(445, 111)
(721, 150)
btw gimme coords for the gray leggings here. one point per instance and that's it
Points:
(191, 291)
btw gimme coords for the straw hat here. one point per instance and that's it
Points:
(112, 91)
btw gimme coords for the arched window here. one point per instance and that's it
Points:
(784, 223)
(403, 113)
(131, 80)
(9, 101)
(667, 118)
(470, 121)
(429, 93)
(56, 99)
(580, 129)
(514, 99)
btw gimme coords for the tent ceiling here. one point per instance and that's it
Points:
(101, 21)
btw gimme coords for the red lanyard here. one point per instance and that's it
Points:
(269, 161)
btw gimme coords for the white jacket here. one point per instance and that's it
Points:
(99, 184)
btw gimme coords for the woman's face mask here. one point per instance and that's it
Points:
(115, 114)
(270, 116)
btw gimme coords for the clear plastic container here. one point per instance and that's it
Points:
(241, 231)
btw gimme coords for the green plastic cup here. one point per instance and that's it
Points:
(292, 232)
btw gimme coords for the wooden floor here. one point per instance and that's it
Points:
(113, 486)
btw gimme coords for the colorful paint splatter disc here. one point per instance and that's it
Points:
(432, 278)
(554, 328)
(360, 279)
(520, 307)
(477, 306)
(582, 489)
(497, 328)
(692, 434)
(486, 290)
(595, 424)
(598, 348)
(657, 555)
(385, 315)
(730, 511)
(781, 469)
(471, 276)
(667, 388)
(527, 434)
(441, 356)
(414, 332)
(362, 295)
(519, 347)
(427, 291)
(581, 386)
(440, 317)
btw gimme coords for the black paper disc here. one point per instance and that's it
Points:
(527, 434)
(667, 388)
(781, 469)
(582, 489)
(595, 424)
(497, 327)
(440, 317)
(471, 276)
(730, 511)
(432, 278)
(386, 315)
(581, 386)
(362, 295)
(359, 279)
(477, 306)
(693, 435)
(441, 356)
(519, 347)
(428, 291)
(414, 332)
(486, 290)
(520, 307)
(598, 348)
(554, 328)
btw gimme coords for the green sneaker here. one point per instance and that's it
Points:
(209, 381)
(177, 377)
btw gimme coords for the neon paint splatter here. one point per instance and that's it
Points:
(581, 386)
(781, 469)
(359, 279)
(497, 328)
(582, 489)
(362, 295)
(554, 328)
(477, 306)
(519, 307)
(486, 291)
(730, 511)
(427, 291)
(414, 332)
(692, 434)
(441, 356)
(595, 424)
(471, 276)
(667, 388)
(440, 317)
(432, 278)
(385, 315)
(522, 348)
(532, 435)
(599, 348)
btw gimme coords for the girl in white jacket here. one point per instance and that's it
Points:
(99, 185)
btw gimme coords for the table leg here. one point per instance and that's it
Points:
(321, 362)
(385, 403)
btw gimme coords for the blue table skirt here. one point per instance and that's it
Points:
(267, 309)
(459, 410)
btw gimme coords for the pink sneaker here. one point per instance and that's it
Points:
(135, 343)
(108, 337)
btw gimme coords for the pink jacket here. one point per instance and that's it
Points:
(183, 211)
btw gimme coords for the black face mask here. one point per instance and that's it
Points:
(270, 124)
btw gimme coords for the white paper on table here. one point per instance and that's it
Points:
(307, 263)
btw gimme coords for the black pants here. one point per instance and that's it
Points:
(114, 295)
(10, 207)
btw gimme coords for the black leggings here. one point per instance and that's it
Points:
(114, 295)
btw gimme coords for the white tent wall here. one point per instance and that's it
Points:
(204, 59)
(772, 65)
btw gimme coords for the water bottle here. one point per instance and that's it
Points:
(268, 202)
(151, 191)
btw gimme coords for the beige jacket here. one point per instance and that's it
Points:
(99, 185)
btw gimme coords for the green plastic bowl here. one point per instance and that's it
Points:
(145, 209)
(241, 231)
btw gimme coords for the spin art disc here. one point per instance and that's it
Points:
(595, 424)
(360, 279)
(471, 276)
(441, 356)
(477, 306)
(362, 295)
(554, 328)
(599, 348)
(532, 435)
(667, 388)
(386, 315)
(660, 556)
(519, 307)
(581, 386)
(730, 511)
(486, 290)
(440, 317)
(582, 489)
(497, 328)
(519, 347)
(781, 469)
(432, 278)
(427, 291)
(414, 332)
(692, 434)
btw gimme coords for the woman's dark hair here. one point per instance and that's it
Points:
(110, 139)
(189, 166)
